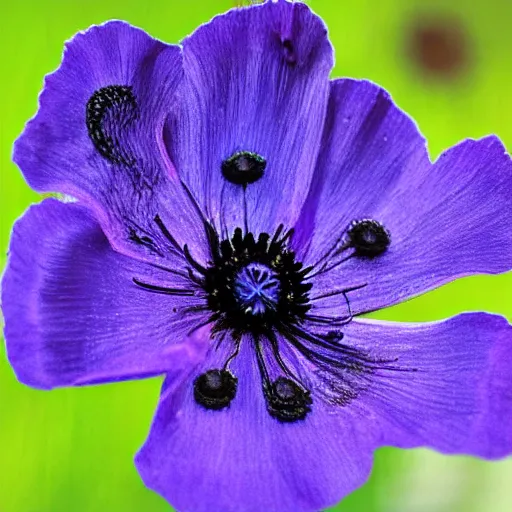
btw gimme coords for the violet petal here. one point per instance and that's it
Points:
(241, 458)
(97, 136)
(256, 80)
(73, 314)
(450, 390)
(457, 399)
(447, 220)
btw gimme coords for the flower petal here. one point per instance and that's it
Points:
(450, 389)
(73, 314)
(256, 79)
(446, 220)
(454, 390)
(98, 137)
(240, 458)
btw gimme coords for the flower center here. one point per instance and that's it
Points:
(255, 285)
(257, 289)
(256, 292)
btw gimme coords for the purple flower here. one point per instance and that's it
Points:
(237, 212)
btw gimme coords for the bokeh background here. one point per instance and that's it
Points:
(446, 63)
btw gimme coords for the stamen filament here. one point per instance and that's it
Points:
(167, 233)
(162, 289)
(325, 268)
(192, 261)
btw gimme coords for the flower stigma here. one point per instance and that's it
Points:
(257, 289)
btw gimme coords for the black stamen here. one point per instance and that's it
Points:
(233, 355)
(109, 111)
(329, 320)
(213, 240)
(327, 268)
(166, 233)
(338, 247)
(261, 363)
(195, 279)
(162, 289)
(339, 355)
(197, 266)
(246, 217)
(339, 292)
(194, 309)
(215, 389)
(222, 218)
(277, 234)
(368, 238)
(287, 401)
(243, 168)
(194, 202)
(277, 355)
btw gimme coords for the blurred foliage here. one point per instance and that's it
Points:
(445, 63)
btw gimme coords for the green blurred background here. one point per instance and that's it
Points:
(448, 64)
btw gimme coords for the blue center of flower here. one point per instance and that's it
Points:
(257, 289)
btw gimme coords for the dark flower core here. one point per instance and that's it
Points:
(256, 285)
(256, 291)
